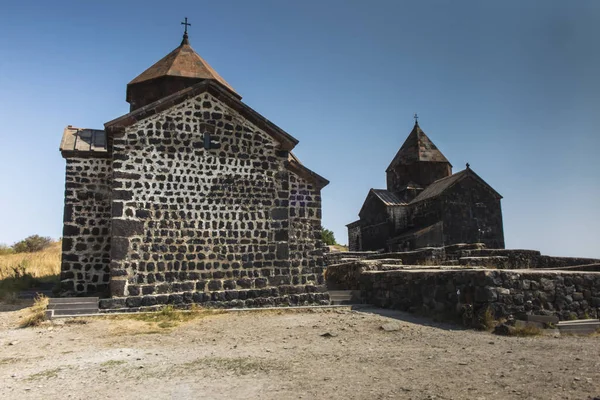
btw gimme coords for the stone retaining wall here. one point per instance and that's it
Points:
(262, 297)
(567, 295)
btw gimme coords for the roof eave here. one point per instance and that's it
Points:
(287, 141)
(307, 173)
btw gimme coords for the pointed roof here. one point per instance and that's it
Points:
(182, 62)
(418, 147)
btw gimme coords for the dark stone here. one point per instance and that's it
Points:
(148, 301)
(122, 195)
(279, 213)
(105, 304)
(117, 209)
(134, 302)
(71, 230)
(175, 299)
(127, 228)
(283, 251)
(119, 248)
(260, 283)
(281, 235)
(215, 285)
(142, 214)
(504, 330)
(117, 287)
(68, 213)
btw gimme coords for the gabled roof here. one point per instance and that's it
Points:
(83, 142)
(182, 62)
(417, 147)
(387, 198)
(441, 185)
(218, 91)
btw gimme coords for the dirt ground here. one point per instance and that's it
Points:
(284, 355)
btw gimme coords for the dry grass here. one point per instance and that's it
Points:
(39, 265)
(36, 313)
(22, 271)
(168, 317)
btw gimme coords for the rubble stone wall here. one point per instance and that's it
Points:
(210, 225)
(86, 229)
(567, 295)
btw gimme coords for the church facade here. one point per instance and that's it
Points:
(190, 197)
(425, 205)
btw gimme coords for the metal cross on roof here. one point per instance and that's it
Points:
(416, 117)
(186, 25)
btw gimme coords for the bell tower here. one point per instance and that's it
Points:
(179, 69)
(417, 164)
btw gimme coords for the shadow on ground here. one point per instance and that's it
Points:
(412, 318)
(18, 292)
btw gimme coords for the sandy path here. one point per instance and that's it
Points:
(269, 355)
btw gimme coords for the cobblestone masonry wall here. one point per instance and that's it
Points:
(567, 295)
(192, 224)
(86, 231)
(306, 247)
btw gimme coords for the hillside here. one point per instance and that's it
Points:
(24, 270)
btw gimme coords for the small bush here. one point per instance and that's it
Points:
(327, 237)
(527, 330)
(32, 244)
(37, 312)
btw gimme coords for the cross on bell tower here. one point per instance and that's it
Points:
(185, 34)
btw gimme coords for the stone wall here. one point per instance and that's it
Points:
(567, 295)
(354, 236)
(472, 213)
(305, 246)
(86, 230)
(205, 211)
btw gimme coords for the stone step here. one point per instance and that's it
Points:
(388, 261)
(79, 311)
(579, 327)
(579, 322)
(70, 300)
(71, 306)
(339, 297)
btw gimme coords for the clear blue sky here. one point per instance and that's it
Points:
(512, 87)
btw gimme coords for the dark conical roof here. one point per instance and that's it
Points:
(418, 147)
(182, 62)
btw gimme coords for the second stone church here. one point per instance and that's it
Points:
(425, 205)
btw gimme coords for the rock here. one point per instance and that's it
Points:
(13, 343)
(503, 330)
(328, 335)
(391, 327)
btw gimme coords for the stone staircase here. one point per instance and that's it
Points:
(72, 306)
(344, 297)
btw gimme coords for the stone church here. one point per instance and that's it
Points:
(190, 197)
(425, 205)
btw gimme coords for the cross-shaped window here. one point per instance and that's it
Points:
(209, 138)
